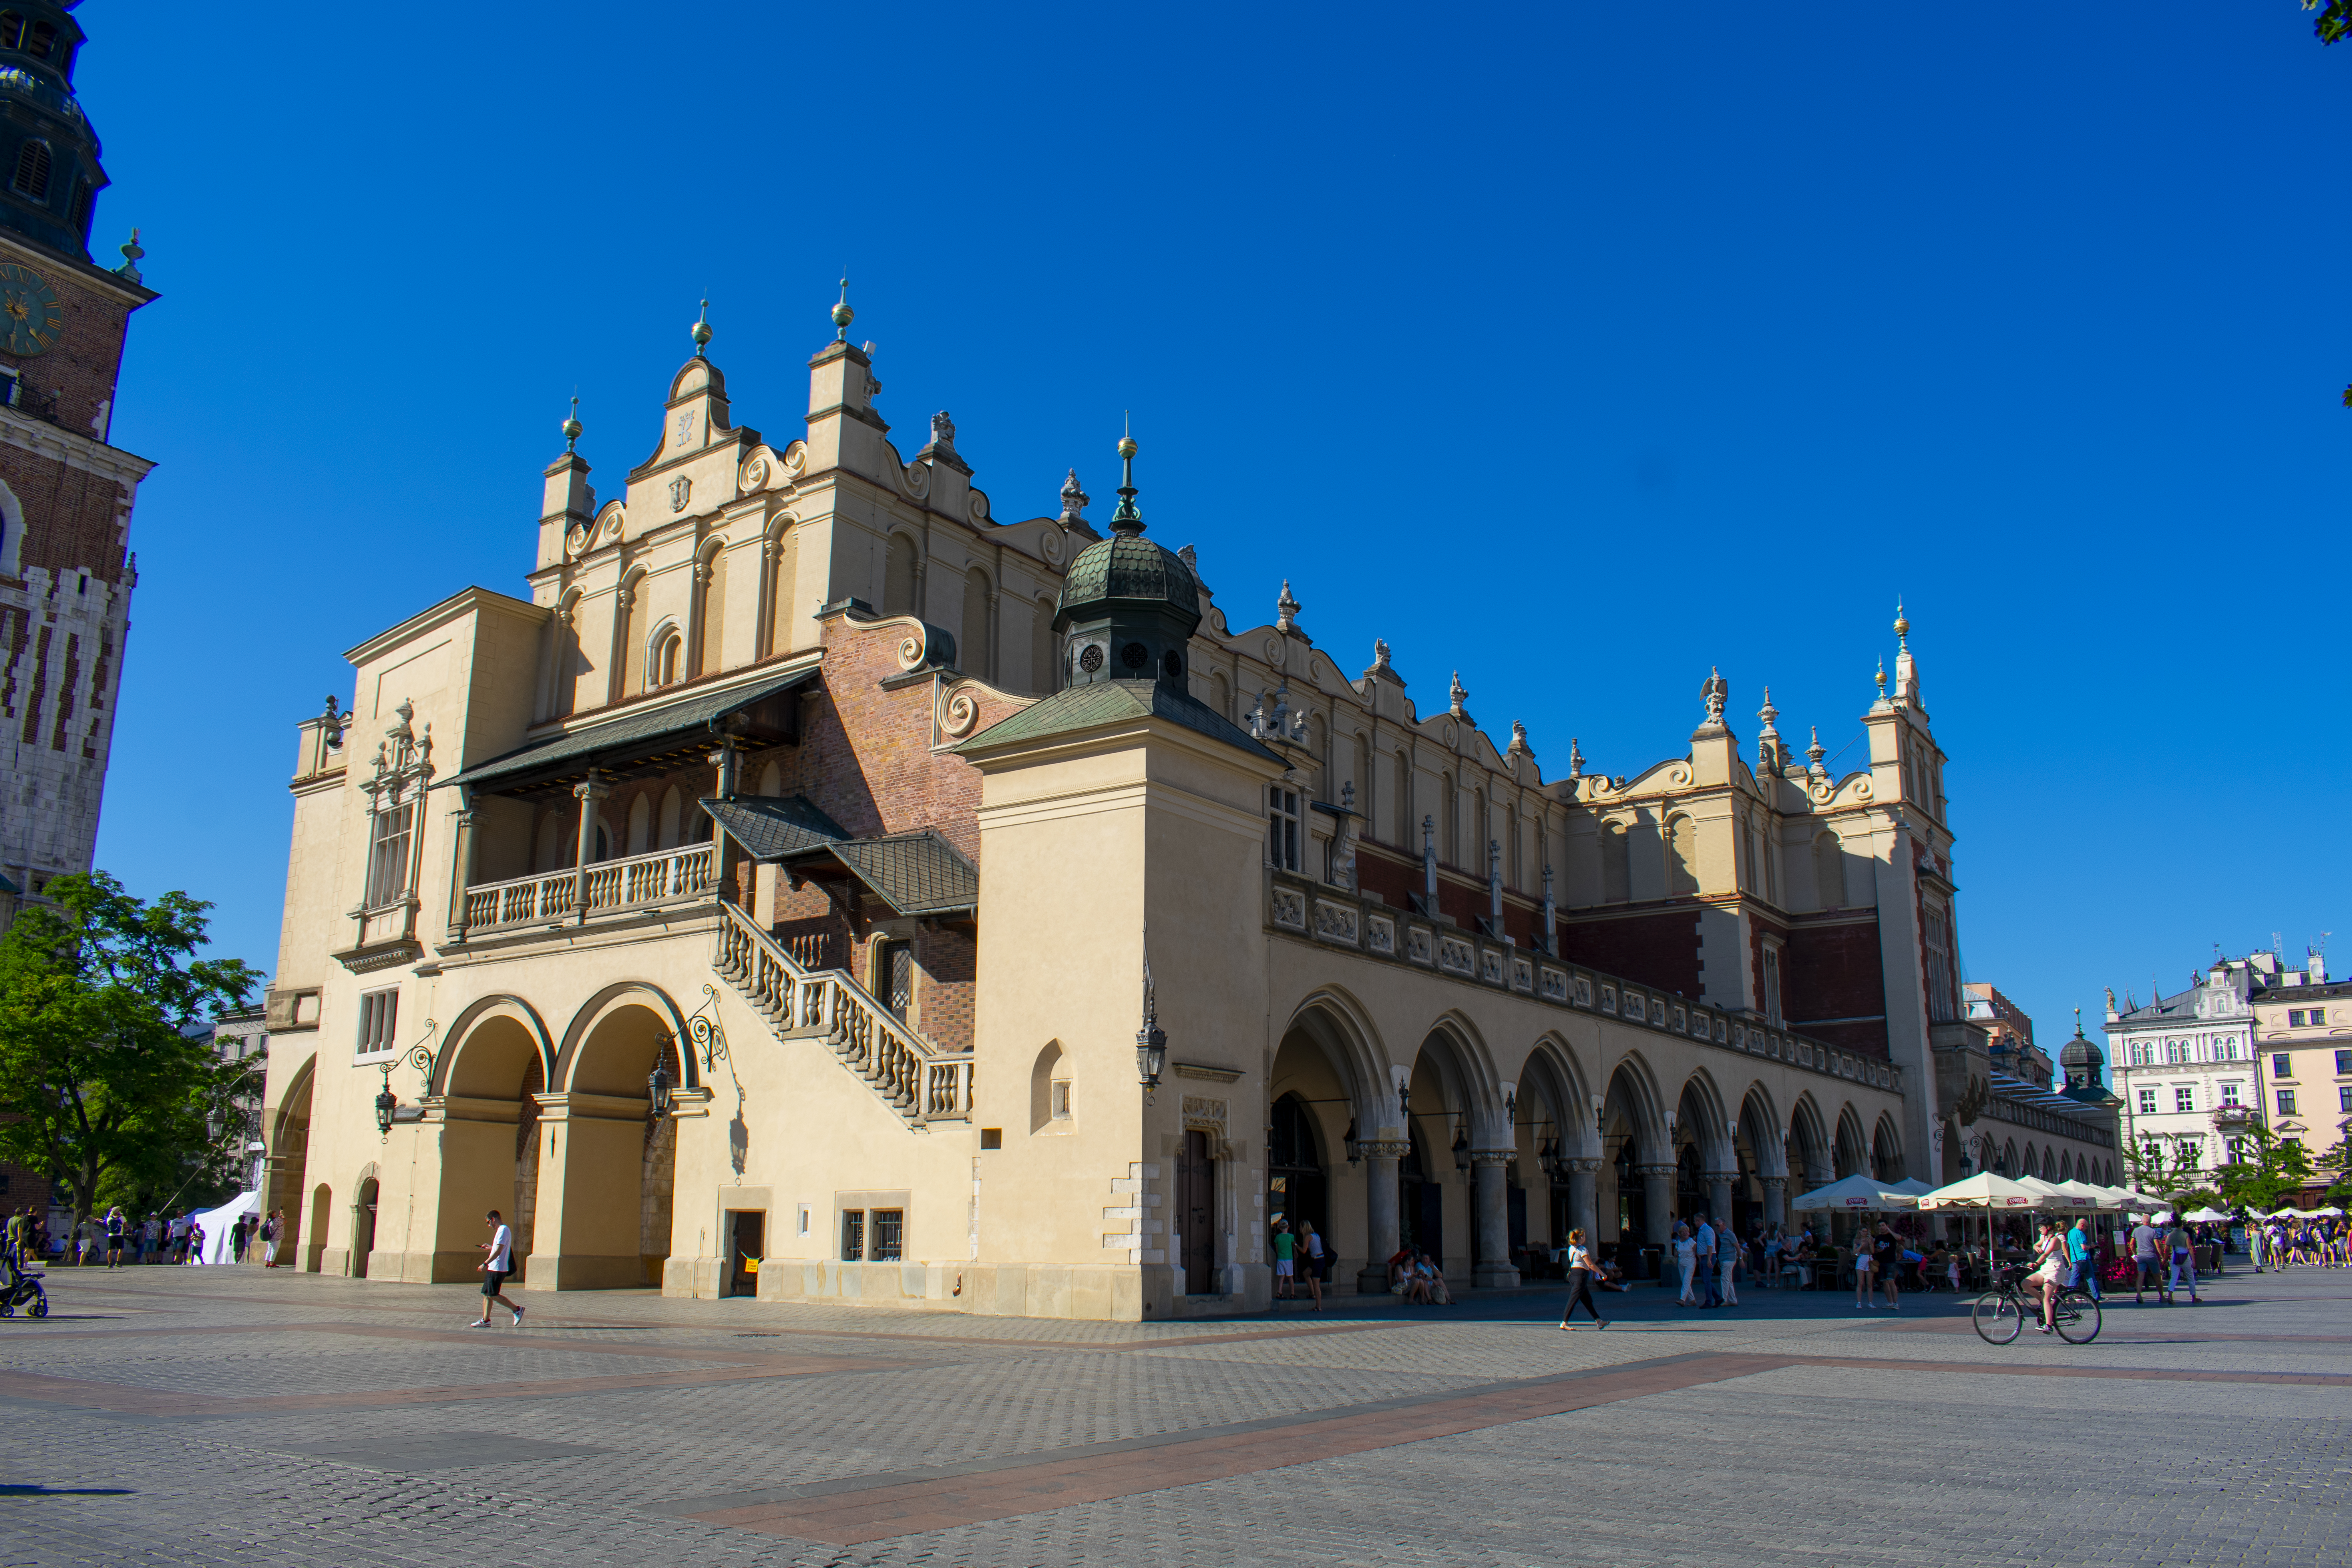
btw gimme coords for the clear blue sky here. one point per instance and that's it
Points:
(1583, 348)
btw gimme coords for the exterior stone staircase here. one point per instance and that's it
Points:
(920, 1082)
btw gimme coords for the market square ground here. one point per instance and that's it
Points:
(177, 1416)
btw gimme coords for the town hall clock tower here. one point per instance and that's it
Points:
(66, 490)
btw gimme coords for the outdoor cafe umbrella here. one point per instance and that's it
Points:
(2051, 1195)
(1856, 1192)
(1986, 1192)
(2100, 1198)
(1912, 1184)
(2205, 1216)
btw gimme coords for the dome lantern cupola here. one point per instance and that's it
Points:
(49, 174)
(1129, 607)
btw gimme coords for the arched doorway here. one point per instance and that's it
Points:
(1325, 1071)
(1421, 1220)
(1298, 1186)
(290, 1160)
(489, 1137)
(602, 1213)
(362, 1227)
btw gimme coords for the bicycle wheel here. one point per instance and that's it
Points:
(1998, 1318)
(2078, 1317)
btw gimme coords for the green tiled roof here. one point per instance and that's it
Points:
(1112, 702)
(1129, 568)
(771, 827)
(627, 739)
(914, 873)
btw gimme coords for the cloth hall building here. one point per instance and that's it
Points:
(812, 884)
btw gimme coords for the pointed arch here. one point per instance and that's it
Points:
(1631, 1100)
(1342, 1029)
(1698, 1106)
(598, 1008)
(460, 1039)
(1552, 1079)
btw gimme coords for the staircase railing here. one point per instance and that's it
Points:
(917, 1079)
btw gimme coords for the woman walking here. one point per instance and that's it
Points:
(1579, 1284)
(1319, 1262)
(1864, 1260)
(1686, 1260)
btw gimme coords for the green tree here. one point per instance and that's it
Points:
(107, 1075)
(2266, 1169)
(2334, 23)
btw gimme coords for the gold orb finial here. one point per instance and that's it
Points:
(1901, 625)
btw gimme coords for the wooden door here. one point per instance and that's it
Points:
(1196, 1210)
(747, 1241)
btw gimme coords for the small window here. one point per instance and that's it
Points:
(40, 38)
(2230, 1094)
(2344, 1062)
(2318, 1016)
(12, 30)
(9, 386)
(1282, 828)
(887, 1225)
(2184, 1099)
(387, 880)
(83, 196)
(853, 1236)
(1062, 1098)
(32, 178)
(2344, 1099)
(2148, 1103)
(894, 974)
(2286, 1102)
(804, 1219)
(379, 1016)
(666, 659)
(992, 1137)
(2280, 1066)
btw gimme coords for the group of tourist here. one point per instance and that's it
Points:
(2290, 1242)
(118, 1238)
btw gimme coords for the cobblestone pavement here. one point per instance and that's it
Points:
(177, 1415)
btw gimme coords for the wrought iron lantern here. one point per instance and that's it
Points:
(1150, 1054)
(1355, 1152)
(657, 1087)
(386, 1102)
(1461, 1147)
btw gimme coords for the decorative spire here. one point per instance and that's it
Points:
(1461, 695)
(1073, 499)
(841, 314)
(130, 254)
(1816, 751)
(1286, 610)
(1575, 759)
(1882, 680)
(701, 333)
(571, 425)
(1769, 750)
(1901, 629)
(1126, 519)
(1520, 740)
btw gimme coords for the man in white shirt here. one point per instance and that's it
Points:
(2143, 1240)
(497, 1261)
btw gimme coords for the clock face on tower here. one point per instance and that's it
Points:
(30, 317)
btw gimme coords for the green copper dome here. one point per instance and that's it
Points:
(1128, 571)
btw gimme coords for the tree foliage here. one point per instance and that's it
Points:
(108, 1079)
(2269, 1168)
(2332, 26)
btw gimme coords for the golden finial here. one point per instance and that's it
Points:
(1882, 680)
(841, 314)
(1902, 627)
(1127, 434)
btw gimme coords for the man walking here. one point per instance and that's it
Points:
(2143, 1240)
(1704, 1236)
(2184, 1261)
(497, 1261)
(2078, 1252)
(116, 1226)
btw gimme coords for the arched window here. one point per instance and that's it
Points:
(12, 30)
(84, 194)
(974, 643)
(641, 825)
(709, 657)
(1616, 864)
(40, 39)
(1041, 649)
(634, 610)
(667, 822)
(668, 654)
(31, 177)
(1829, 872)
(1682, 855)
(1049, 1089)
(1404, 833)
(898, 577)
(1449, 849)
(1320, 787)
(781, 588)
(1221, 694)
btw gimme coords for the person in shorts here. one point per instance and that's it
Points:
(2143, 1240)
(497, 1262)
(1286, 1252)
(116, 1229)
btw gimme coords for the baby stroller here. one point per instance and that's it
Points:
(19, 1289)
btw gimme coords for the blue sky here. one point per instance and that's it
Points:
(1581, 348)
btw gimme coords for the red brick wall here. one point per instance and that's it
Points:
(73, 521)
(948, 957)
(82, 367)
(1833, 972)
(1658, 949)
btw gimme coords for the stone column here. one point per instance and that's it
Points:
(1381, 1234)
(1584, 1200)
(1776, 1200)
(461, 862)
(587, 791)
(1493, 1268)
(1718, 1196)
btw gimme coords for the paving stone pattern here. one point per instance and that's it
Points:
(172, 1416)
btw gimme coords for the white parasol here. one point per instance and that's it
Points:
(1858, 1194)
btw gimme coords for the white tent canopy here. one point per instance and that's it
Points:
(2205, 1216)
(1857, 1193)
(1982, 1190)
(217, 1223)
(1912, 1184)
(2051, 1195)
